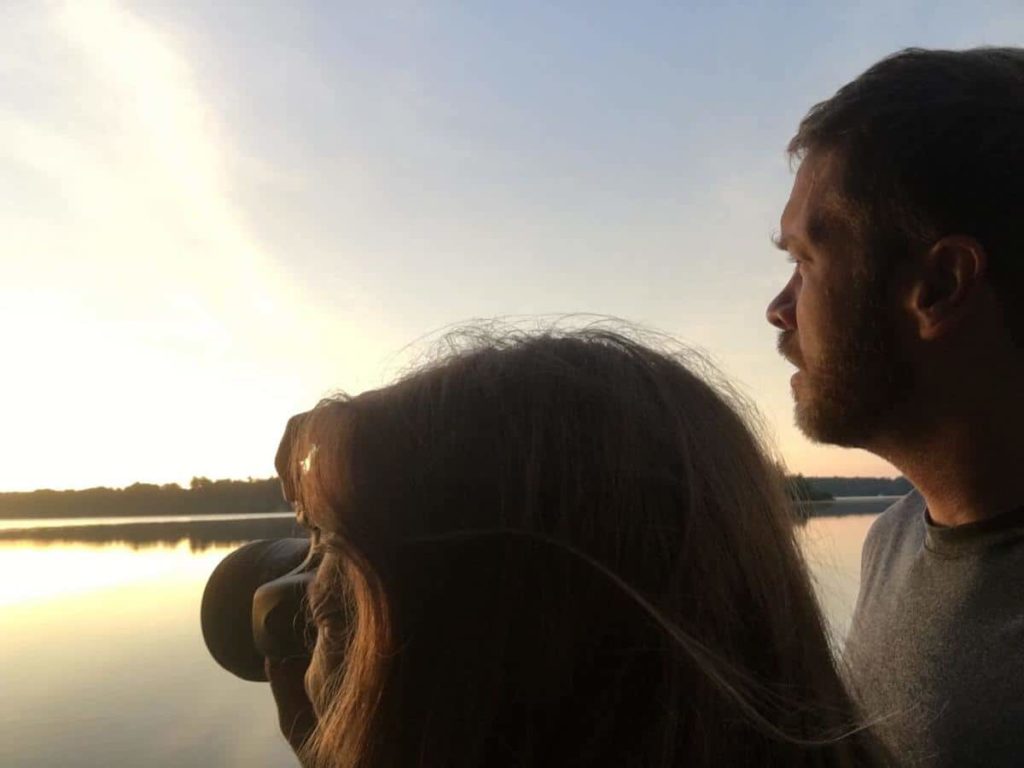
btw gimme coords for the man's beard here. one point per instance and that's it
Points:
(849, 395)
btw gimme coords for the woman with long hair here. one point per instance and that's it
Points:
(558, 548)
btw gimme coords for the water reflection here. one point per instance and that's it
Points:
(102, 662)
(199, 534)
(832, 548)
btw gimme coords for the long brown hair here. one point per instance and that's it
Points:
(560, 548)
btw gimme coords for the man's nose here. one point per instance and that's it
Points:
(781, 311)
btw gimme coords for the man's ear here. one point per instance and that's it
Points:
(949, 277)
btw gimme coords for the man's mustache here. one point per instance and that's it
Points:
(786, 345)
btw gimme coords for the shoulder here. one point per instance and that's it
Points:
(887, 556)
(894, 526)
(905, 512)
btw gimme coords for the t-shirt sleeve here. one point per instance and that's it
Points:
(882, 537)
(869, 551)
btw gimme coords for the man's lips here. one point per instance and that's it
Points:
(788, 350)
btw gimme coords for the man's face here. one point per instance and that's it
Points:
(834, 316)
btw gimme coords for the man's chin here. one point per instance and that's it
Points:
(820, 420)
(827, 424)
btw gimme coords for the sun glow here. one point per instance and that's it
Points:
(155, 338)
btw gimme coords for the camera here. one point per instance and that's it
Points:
(254, 605)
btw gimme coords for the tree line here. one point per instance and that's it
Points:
(207, 497)
(202, 497)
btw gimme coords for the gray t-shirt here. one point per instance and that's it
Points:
(936, 645)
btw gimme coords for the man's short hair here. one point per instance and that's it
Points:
(931, 143)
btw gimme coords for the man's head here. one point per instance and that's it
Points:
(906, 222)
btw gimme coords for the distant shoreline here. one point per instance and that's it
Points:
(844, 506)
(41, 523)
(839, 507)
(202, 531)
(263, 496)
(202, 497)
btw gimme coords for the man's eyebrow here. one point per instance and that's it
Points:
(821, 227)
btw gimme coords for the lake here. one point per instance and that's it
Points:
(102, 662)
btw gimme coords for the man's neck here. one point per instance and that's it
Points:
(967, 469)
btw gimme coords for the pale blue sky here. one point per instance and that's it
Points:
(216, 212)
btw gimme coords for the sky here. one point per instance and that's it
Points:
(213, 214)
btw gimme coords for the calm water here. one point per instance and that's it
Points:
(102, 662)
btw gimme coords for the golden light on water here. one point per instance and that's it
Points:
(32, 574)
(103, 661)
